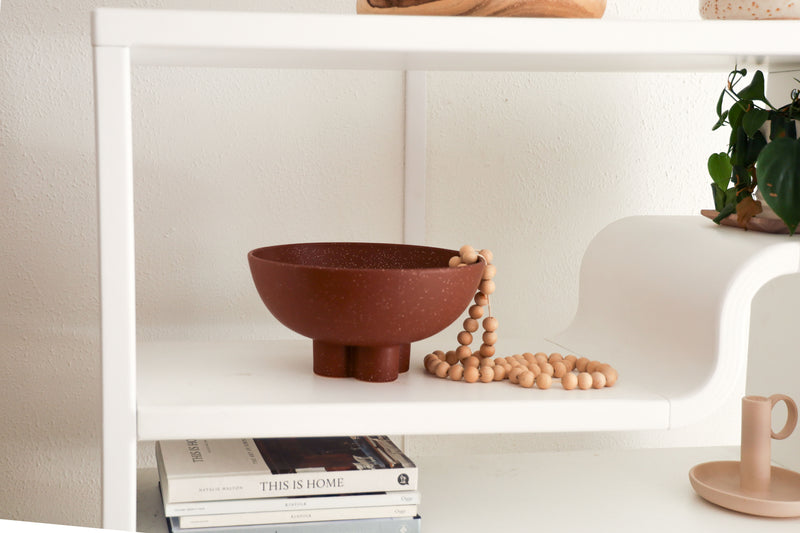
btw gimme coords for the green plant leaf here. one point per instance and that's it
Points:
(725, 212)
(739, 152)
(737, 111)
(719, 167)
(741, 180)
(754, 147)
(781, 126)
(735, 115)
(721, 121)
(779, 176)
(719, 197)
(753, 120)
(755, 91)
(719, 103)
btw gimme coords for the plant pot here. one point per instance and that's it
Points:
(749, 10)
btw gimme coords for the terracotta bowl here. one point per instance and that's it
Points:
(362, 303)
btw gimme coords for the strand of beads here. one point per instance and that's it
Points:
(527, 369)
(463, 362)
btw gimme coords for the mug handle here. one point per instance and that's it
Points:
(791, 419)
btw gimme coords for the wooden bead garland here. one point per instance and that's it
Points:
(526, 370)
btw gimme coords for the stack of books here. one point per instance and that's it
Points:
(299, 485)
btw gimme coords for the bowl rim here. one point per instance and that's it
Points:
(252, 256)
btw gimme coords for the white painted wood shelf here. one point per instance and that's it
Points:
(152, 391)
(374, 42)
(625, 491)
(268, 389)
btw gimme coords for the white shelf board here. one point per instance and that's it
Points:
(240, 388)
(619, 490)
(375, 42)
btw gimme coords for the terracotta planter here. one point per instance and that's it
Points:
(749, 10)
(363, 304)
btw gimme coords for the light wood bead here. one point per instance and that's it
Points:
(486, 374)
(529, 357)
(535, 369)
(571, 358)
(489, 337)
(513, 375)
(488, 361)
(470, 257)
(471, 362)
(591, 366)
(489, 272)
(487, 254)
(570, 365)
(431, 361)
(456, 372)
(554, 358)
(487, 350)
(541, 357)
(559, 369)
(466, 249)
(454, 261)
(499, 372)
(526, 379)
(481, 299)
(584, 381)
(547, 368)
(598, 380)
(464, 338)
(543, 381)
(490, 323)
(471, 325)
(569, 381)
(440, 353)
(476, 311)
(581, 363)
(441, 369)
(471, 374)
(487, 286)
(611, 376)
(462, 352)
(451, 357)
(461, 265)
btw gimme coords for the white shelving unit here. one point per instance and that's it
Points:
(147, 392)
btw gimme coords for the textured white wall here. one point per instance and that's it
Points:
(530, 165)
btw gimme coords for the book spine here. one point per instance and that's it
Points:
(194, 489)
(364, 525)
(296, 503)
(306, 515)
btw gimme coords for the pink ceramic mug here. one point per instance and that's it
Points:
(757, 435)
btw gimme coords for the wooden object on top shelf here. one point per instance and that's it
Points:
(486, 8)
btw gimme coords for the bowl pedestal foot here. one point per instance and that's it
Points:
(365, 363)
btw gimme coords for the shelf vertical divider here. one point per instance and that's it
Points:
(416, 143)
(117, 284)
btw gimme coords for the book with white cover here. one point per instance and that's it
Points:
(304, 515)
(364, 525)
(324, 501)
(229, 469)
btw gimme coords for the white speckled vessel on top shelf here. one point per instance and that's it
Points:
(750, 9)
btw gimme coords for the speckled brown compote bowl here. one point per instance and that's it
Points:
(362, 303)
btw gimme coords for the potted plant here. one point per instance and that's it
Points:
(762, 159)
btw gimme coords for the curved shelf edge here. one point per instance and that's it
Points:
(677, 290)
